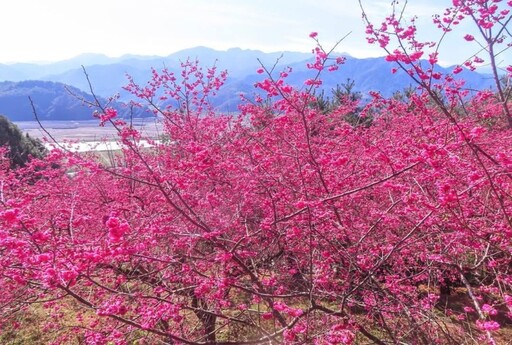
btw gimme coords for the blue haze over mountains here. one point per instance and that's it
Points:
(44, 82)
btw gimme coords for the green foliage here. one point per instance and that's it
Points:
(21, 147)
(343, 94)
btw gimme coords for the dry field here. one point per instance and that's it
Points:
(85, 130)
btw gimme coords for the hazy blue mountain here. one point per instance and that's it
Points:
(108, 75)
(238, 62)
(52, 101)
(106, 80)
(374, 74)
(8, 73)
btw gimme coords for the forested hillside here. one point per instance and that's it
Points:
(20, 147)
(52, 101)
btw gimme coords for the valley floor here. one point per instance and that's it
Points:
(85, 130)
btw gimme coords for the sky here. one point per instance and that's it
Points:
(54, 30)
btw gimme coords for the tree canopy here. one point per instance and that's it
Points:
(284, 224)
(20, 147)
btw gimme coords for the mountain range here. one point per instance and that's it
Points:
(46, 82)
(52, 101)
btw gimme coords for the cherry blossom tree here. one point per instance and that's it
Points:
(284, 224)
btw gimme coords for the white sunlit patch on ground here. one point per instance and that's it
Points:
(92, 146)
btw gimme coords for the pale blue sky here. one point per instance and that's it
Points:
(51, 30)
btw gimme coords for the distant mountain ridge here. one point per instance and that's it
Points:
(238, 61)
(52, 101)
(108, 75)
